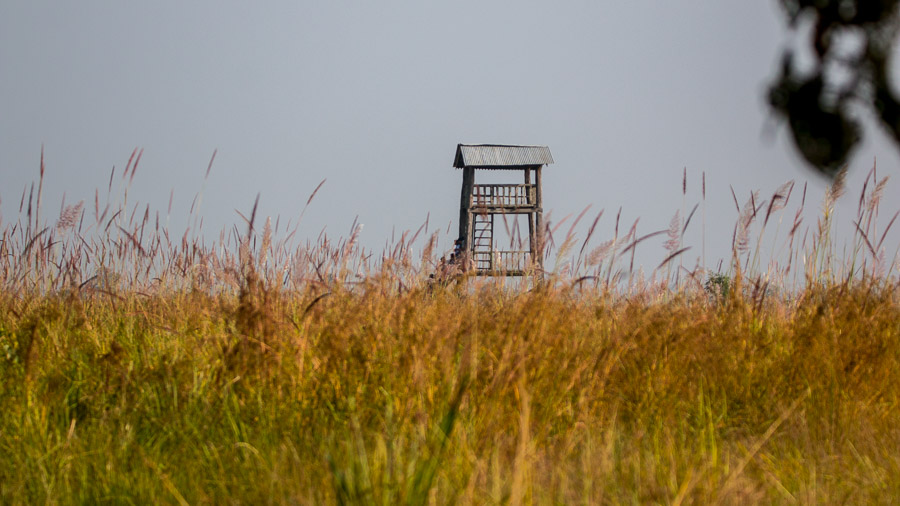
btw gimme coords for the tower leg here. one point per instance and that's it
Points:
(538, 223)
(532, 242)
(465, 203)
(465, 245)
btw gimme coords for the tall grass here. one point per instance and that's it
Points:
(264, 368)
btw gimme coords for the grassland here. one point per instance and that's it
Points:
(134, 369)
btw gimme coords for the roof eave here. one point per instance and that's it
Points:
(543, 157)
(501, 167)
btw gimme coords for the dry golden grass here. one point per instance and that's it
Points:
(135, 369)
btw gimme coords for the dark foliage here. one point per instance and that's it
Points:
(852, 42)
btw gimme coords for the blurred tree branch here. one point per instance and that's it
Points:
(851, 44)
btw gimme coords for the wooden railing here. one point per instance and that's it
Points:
(503, 195)
(502, 261)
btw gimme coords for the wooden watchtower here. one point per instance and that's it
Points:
(481, 203)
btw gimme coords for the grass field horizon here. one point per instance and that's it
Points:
(263, 368)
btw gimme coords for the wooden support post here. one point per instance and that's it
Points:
(466, 220)
(465, 204)
(532, 241)
(491, 245)
(538, 221)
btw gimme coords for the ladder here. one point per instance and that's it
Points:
(483, 241)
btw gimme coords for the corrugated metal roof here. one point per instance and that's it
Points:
(500, 155)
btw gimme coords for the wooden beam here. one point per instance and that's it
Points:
(465, 204)
(538, 221)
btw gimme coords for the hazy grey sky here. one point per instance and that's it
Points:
(374, 96)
